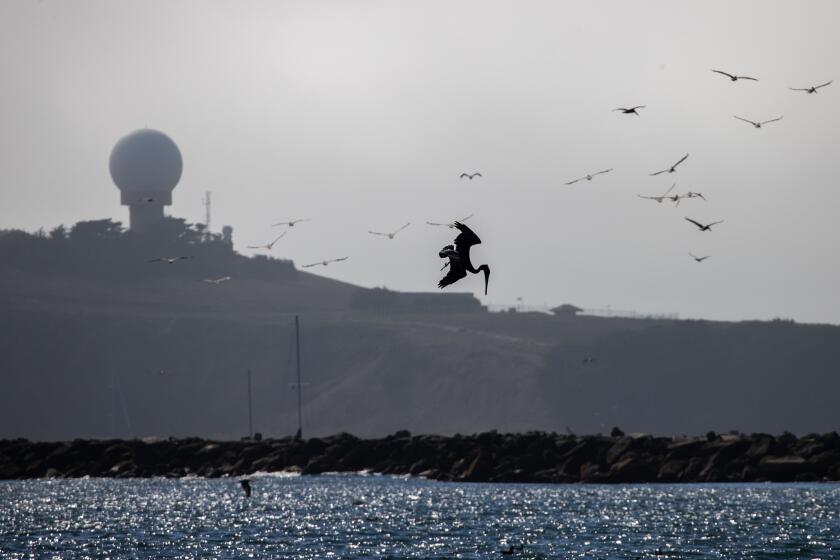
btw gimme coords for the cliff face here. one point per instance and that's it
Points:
(90, 353)
(487, 457)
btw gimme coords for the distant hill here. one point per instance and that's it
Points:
(95, 341)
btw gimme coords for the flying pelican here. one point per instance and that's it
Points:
(589, 177)
(451, 224)
(707, 227)
(699, 259)
(392, 234)
(812, 89)
(216, 281)
(630, 110)
(470, 176)
(291, 223)
(691, 194)
(735, 78)
(246, 486)
(268, 246)
(659, 199)
(169, 260)
(672, 168)
(758, 124)
(459, 258)
(326, 262)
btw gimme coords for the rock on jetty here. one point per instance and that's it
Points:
(486, 457)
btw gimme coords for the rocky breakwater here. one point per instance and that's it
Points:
(486, 457)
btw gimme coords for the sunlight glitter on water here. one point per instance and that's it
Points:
(382, 517)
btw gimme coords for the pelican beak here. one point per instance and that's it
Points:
(486, 278)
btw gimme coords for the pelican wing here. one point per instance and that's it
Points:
(377, 232)
(773, 120)
(464, 219)
(622, 109)
(280, 224)
(477, 175)
(638, 107)
(256, 246)
(823, 85)
(669, 190)
(339, 259)
(685, 157)
(310, 265)
(464, 175)
(575, 181)
(456, 271)
(747, 78)
(801, 89)
(698, 224)
(724, 73)
(402, 228)
(436, 224)
(604, 171)
(466, 239)
(745, 120)
(715, 223)
(658, 172)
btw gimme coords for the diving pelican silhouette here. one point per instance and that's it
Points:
(459, 258)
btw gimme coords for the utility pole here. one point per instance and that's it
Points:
(207, 211)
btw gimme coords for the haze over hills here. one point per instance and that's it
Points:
(96, 341)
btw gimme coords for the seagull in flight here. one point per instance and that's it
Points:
(216, 281)
(630, 110)
(470, 176)
(451, 224)
(698, 259)
(291, 223)
(671, 169)
(268, 246)
(389, 235)
(659, 199)
(169, 260)
(733, 77)
(691, 194)
(589, 177)
(812, 89)
(707, 227)
(759, 123)
(459, 258)
(326, 262)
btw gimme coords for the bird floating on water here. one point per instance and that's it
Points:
(392, 234)
(659, 199)
(268, 246)
(451, 224)
(758, 124)
(707, 227)
(812, 89)
(326, 262)
(170, 260)
(733, 77)
(630, 110)
(471, 176)
(246, 487)
(459, 258)
(699, 259)
(216, 281)
(291, 223)
(589, 176)
(671, 169)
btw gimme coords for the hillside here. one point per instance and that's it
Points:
(107, 344)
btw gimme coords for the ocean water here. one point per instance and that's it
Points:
(340, 516)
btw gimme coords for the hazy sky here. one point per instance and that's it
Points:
(362, 115)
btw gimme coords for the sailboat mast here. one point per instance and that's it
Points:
(250, 413)
(297, 345)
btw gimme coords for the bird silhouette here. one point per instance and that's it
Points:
(169, 260)
(812, 89)
(268, 246)
(459, 258)
(246, 487)
(759, 123)
(733, 77)
(392, 234)
(471, 176)
(691, 194)
(658, 199)
(216, 281)
(630, 110)
(671, 169)
(589, 177)
(326, 262)
(291, 223)
(699, 259)
(707, 227)
(450, 224)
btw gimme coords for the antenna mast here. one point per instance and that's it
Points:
(206, 203)
(250, 415)
(297, 346)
